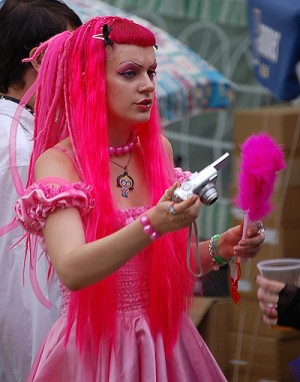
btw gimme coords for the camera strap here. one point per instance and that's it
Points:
(193, 226)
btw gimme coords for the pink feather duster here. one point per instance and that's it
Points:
(261, 159)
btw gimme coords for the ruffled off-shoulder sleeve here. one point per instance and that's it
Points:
(41, 198)
(181, 175)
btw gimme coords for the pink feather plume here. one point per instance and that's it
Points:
(261, 159)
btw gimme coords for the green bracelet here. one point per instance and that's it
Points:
(215, 251)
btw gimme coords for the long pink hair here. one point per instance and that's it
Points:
(71, 101)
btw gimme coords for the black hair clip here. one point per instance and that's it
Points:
(105, 35)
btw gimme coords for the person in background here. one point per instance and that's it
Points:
(279, 303)
(24, 321)
(99, 197)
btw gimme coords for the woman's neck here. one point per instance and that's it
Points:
(119, 136)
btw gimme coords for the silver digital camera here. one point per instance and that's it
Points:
(202, 183)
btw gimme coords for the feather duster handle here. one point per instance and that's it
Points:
(261, 159)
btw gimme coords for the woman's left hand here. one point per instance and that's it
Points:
(247, 247)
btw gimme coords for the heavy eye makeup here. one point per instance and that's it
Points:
(129, 70)
(152, 70)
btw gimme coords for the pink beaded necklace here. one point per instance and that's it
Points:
(124, 149)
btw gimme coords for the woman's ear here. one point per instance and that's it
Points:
(36, 62)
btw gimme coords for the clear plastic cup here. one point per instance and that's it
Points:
(284, 270)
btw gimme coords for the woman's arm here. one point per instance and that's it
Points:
(80, 264)
(230, 244)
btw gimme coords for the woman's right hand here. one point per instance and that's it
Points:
(168, 216)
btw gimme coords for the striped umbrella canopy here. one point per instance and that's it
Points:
(226, 12)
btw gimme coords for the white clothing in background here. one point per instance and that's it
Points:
(24, 321)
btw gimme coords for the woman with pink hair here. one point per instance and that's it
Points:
(98, 196)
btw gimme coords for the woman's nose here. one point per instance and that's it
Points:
(146, 85)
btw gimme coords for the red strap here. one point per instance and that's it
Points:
(234, 281)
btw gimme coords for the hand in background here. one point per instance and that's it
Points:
(268, 296)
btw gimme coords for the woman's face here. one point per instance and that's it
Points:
(130, 83)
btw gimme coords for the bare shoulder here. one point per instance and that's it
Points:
(55, 163)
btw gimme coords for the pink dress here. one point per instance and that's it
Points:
(138, 355)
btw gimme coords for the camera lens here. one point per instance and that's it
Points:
(208, 194)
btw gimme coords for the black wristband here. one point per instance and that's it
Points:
(288, 307)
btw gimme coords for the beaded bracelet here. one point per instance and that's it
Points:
(213, 249)
(148, 229)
